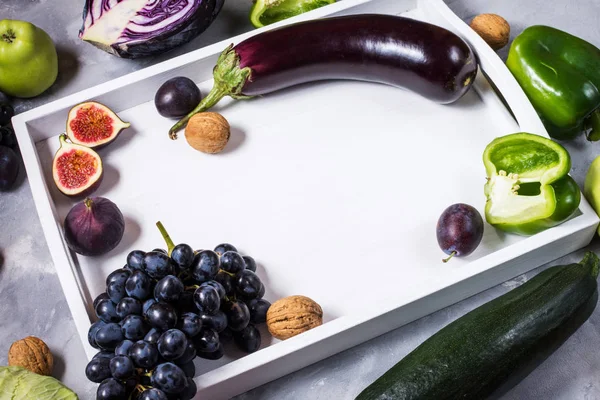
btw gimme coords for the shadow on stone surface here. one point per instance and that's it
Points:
(59, 366)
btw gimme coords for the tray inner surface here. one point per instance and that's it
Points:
(334, 188)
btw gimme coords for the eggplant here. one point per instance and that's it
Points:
(397, 51)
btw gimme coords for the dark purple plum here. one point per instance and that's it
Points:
(459, 230)
(177, 97)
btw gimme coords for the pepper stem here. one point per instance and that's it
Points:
(229, 80)
(594, 121)
(165, 235)
(445, 260)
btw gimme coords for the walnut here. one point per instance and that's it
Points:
(293, 315)
(33, 354)
(207, 132)
(493, 29)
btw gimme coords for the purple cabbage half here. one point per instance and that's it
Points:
(140, 28)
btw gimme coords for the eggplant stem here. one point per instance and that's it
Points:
(213, 97)
(229, 80)
(165, 235)
(445, 260)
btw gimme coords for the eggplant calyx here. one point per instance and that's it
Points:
(229, 80)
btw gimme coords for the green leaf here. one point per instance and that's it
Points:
(17, 383)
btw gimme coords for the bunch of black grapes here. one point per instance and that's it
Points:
(159, 312)
(9, 160)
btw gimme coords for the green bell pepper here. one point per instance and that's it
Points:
(528, 188)
(265, 12)
(560, 74)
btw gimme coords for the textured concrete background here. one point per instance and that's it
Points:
(32, 302)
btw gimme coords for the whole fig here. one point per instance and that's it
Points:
(94, 226)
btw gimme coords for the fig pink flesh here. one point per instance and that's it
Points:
(91, 124)
(75, 167)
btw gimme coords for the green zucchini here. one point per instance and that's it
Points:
(475, 355)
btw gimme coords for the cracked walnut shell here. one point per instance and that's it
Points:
(293, 315)
(33, 354)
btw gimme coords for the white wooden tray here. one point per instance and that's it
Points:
(334, 187)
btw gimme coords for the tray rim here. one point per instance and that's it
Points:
(495, 70)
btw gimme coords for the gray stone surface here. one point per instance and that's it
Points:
(32, 303)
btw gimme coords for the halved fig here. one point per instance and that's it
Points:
(93, 124)
(77, 170)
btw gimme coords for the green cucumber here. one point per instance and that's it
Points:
(475, 355)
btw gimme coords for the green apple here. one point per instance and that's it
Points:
(591, 186)
(28, 61)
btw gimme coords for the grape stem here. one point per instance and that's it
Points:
(445, 260)
(165, 235)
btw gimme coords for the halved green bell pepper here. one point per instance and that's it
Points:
(560, 73)
(265, 12)
(528, 188)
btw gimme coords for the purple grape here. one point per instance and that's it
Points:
(111, 389)
(172, 344)
(214, 355)
(250, 263)
(162, 316)
(216, 322)
(122, 348)
(153, 335)
(98, 369)
(207, 299)
(206, 341)
(224, 247)
(128, 306)
(248, 285)
(106, 311)
(232, 262)
(248, 339)
(258, 310)
(205, 266)
(190, 324)
(238, 315)
(169, 378)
